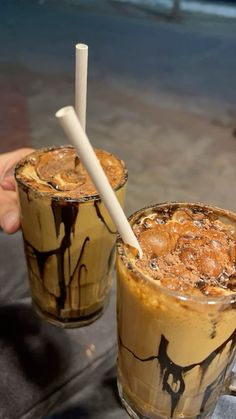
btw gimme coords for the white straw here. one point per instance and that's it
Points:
(81, 72)
(76, 135)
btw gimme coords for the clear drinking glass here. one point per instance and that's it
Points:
(175, 352)
(69, 247)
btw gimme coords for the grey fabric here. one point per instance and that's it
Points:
(226, 408)
(13, 282)
(97, 400)
(51, 373)
(40, 364)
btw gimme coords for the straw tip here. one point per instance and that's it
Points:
(81, 46)
(64, 111)
(140, 253)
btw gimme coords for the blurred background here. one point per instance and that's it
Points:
(161, 88)
(162, 96)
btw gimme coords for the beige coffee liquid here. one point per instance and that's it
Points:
(68, 235)
(175, 348)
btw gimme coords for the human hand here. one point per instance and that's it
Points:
(9, 207)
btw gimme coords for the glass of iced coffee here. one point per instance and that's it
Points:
(176, 311)
(69, 237)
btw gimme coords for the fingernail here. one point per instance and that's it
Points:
(10, 222)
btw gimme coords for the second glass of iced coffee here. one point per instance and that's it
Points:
(69, 237)
(176, 311)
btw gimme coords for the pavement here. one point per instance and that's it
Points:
(161, 94)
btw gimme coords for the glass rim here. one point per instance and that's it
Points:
(120, 246)
(65, 198)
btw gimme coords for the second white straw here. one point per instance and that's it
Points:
(77, 137)
(81, 75)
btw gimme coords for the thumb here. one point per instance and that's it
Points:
(9, 211)
(8, 183)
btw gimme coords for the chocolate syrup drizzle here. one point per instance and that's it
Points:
(102, 218)
(66, 214)
(111, 258)
(168, 368)
(63, 214)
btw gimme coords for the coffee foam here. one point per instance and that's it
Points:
(59, 172)
(188, 251)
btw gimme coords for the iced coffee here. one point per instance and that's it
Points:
(176, 310)
(68, 235)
